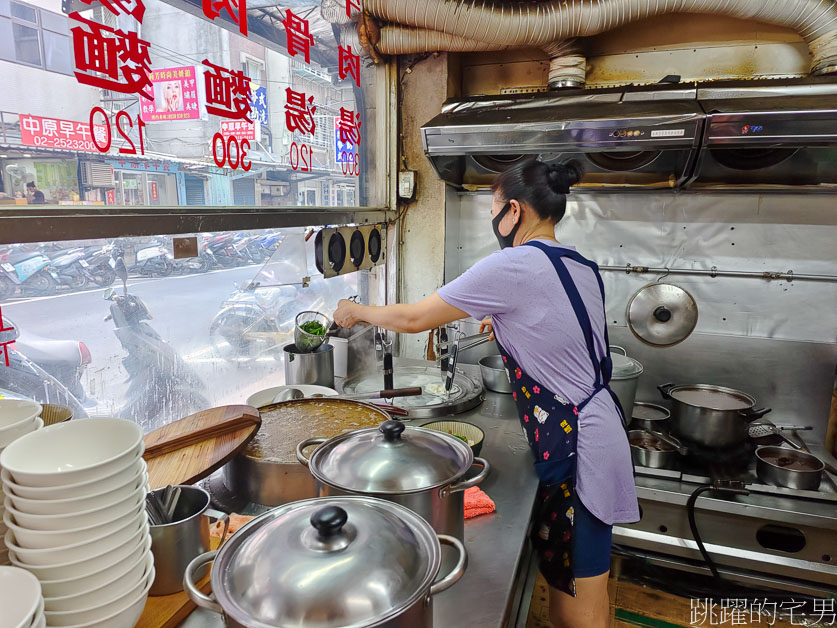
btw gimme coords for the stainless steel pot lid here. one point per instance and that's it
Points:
(323, 563)
(662, 314)
(712, 397)
(649, 412)
(392, 458)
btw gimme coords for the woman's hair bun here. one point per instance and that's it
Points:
(562, 176)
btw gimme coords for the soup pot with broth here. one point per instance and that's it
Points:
(711, 416)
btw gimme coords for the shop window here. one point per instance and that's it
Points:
(214, 336)
(176, 130)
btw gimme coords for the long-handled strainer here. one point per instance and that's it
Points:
(309, 342)
(762, 430)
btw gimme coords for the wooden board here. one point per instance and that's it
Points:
(195, 462)
(167, 611)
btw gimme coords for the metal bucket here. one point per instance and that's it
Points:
(309, 368)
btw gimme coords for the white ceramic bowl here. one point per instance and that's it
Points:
(14, 415)
(72, 452)
(126, 617)
(32, 426)
(106, 592)
(20, 597)
(77, 551)
(74, 586)
(73, 491)
(76, 520)
(88, 616)
(87, 566)
(39, 619)
(78, 504)
(45, 539)
(266, 396)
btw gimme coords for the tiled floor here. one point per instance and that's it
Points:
(635, 605)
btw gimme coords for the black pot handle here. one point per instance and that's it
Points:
(751, 415)
(665, 390)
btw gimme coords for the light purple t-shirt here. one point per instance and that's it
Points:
(535, 322)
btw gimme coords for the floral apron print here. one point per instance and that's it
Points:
(551, 427)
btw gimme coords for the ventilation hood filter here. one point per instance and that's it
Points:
(619, 142)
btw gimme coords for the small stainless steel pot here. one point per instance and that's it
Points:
(340, 561)
(315, 368)
(711, 416)
(494, 375)
(653, 449)
(420, 469)
(781, 466)
(651, 417)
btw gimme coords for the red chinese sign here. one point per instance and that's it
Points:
(236, 9)
(299, 112)
(153, 186)
(349, 64)
(227, 92)
(348, 126)
(55, 133)
(176, 95)
(242, 129)
(110, 197)
(4, 346)
(110, 58)
(299, 35)
(351, 4)
(134, 8)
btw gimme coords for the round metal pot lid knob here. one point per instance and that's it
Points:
(391, 430)
(329, 521)
(662, 314)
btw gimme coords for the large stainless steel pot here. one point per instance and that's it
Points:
(420, 469)
(269, 482)
(711, 416)
(329, 563)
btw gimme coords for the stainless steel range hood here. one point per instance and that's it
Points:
(661, 136)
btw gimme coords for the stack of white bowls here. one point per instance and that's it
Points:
(17, 418)
(75, 513)
(20, 599)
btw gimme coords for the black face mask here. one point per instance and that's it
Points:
(504, 240)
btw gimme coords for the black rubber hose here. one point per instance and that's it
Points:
(690, 511)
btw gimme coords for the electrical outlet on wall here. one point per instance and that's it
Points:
(407, 185)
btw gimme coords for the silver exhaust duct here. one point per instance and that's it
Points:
(460, 25)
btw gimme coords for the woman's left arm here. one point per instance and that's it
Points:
(410, 318)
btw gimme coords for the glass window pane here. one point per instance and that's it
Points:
(54, 22)
(7, 46)
(23, 12)
(211, 337)
(27, 44)
(5, 8)
(57, 52)
(290, 143)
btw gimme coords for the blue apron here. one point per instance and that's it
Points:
(551, 426)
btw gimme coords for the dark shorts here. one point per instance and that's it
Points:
(592, 543)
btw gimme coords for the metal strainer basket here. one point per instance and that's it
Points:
(305, 342)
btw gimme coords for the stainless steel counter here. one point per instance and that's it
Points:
(496, 586)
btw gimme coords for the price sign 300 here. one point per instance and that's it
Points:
(227, 153)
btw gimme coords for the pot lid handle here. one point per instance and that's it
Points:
(662, 314)
(329, 521)
(391, 430)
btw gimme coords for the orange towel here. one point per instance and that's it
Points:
(236, 522)
(477, 503)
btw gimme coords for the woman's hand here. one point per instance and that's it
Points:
(487, 325)
(346, 314)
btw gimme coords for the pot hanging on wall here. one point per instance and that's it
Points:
(662, 314)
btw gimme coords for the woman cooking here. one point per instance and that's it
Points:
(546, 308)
